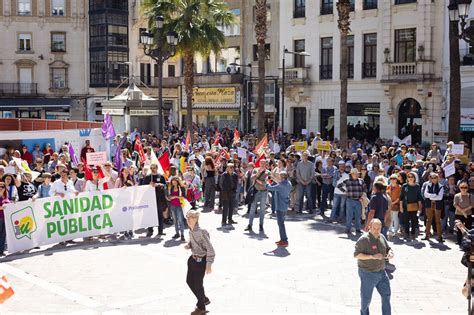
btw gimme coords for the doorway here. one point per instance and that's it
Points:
(299, 119)
(410, 120)
(26, 78)
(326, 124)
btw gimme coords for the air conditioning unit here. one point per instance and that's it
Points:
(135, 95)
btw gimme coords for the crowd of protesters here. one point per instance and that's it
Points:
(401, 185)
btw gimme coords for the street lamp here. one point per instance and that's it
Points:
(153, 47)
(248, 121)
(285, 52)
(459, 12)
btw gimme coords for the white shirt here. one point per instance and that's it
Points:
(344, 176)
(59, 187)
(91, 187)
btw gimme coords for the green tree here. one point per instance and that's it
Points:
(197, 24)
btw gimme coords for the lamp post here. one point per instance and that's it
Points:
(458, 13)
(153, 47)
(285, 52)
(247, 123)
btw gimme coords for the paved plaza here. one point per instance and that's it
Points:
(316, 274)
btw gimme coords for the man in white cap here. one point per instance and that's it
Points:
(200, 261)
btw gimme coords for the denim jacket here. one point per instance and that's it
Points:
(282, 194)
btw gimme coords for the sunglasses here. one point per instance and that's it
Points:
(464, 187)
(411, 176)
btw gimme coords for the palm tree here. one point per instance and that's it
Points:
(343, 9)
(197, 24)
(261, 34)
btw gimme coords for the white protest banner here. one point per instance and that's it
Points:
(449, 170)
(10, 170)
(406, 140)
(458, 149)
(96, 158)
(304, 131)
(52, 220)
(242, 153)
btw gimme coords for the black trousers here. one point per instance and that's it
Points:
(195, 279)
(3, 235)
(467, 222)
(228, 205)
(411, 219)
(160, 221)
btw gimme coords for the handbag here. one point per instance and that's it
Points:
(250, 197)
(364, 200)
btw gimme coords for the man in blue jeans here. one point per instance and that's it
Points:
(353, 187)
(304, 177)
(371, 250)
(339, 203)
(282, 192)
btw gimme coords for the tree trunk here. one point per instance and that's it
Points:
(343, 9)
(261, 33)
(343, 110)
(188, 86)
(454, 133)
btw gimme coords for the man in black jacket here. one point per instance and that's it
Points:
(228, 184)
(159, 182)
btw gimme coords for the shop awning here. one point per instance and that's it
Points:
(35, 102)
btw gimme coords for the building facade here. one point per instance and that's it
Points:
(395, 68)
(42, 73)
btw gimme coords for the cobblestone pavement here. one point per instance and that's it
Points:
(316, 274)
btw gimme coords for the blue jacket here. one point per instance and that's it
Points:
(282, 194)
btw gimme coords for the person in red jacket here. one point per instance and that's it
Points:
(26, 155)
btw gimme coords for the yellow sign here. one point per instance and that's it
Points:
(323, 146)
(223, 95)
(301, 146)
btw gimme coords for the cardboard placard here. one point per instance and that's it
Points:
(301, 146)
(458, 149)
(96, 158)
(323, 146)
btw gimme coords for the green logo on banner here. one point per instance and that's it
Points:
(23, 222)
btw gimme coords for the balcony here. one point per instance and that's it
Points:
(214, 78)
(408, 71)
(325, 72)
(18, 89)
(296, 75)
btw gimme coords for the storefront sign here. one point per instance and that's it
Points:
(113, 111)
(222, 95)
(52, 220)
(144, 112)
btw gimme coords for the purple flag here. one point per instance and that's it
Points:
(118, 154)
(108, 131)
(72, 154)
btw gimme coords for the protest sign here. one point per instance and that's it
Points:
(242, 153)
(52, 220)
(406, 140)
(323, 146)
(301, 146)
(96, 158)
(304, 131)
(458, 149)
(449, 170)
(10, 170)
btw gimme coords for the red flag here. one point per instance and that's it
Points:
(87, 170)
(139, 148)
(164, 160)
(236, 136)
(188, 141)
(101, 175)
(216, 137)
(261, 157)
(260, 148)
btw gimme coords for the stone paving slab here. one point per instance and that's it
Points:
(316, 274)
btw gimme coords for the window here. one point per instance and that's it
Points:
(233, 29)
(350, 56)
(269, 93)
(58, 78)
(471, 45)
(300, 9)
(269, 13)
(24, 7)
(404, 1)
(370, 4)
(58, 7)
(171, 71)
(326, 7)
(405, 45)
(369, 66)
(145, 73)
(24, 42)
(299, 46)
(255, 52)
(36, 114)
(58, 42)
(325, 68)
(140, 31)
(352, 3)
